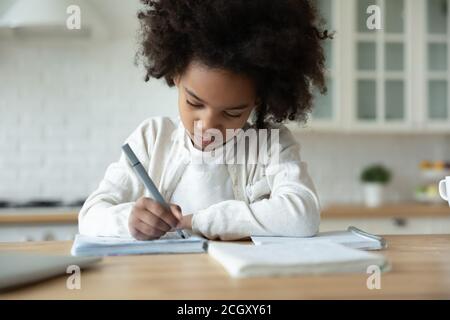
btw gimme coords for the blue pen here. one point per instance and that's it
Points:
(145, 179)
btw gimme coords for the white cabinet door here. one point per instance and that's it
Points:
(396, 79)
(326, 112)
(381, 66)
(436, 28)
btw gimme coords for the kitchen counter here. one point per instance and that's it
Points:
(396, 210)
(38, 224)
(399, 218)
(29, 224)
(58, 215)
(338, 211)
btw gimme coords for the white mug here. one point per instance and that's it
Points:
(444, 189)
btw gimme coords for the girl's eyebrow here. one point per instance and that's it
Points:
(241, 106)
(193, 94)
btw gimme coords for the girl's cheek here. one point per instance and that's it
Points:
(187, 118)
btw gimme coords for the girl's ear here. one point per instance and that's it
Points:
(176, 80)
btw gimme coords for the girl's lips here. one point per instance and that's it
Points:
(200, 141)
(207, 142)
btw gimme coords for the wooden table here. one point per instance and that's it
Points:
(420, 269)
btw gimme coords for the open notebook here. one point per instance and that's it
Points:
(353, 238)
(290, 258)
(171, 242)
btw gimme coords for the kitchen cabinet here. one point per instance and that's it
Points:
(326, 112)
(436, 27)
(381, 68)
(38, 224)
(390, 80)
(41, 232)
(391, 226)
(409, 218)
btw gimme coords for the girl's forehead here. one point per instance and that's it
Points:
(214, 83)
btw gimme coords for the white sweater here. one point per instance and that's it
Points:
(207, 175)
(277, 198)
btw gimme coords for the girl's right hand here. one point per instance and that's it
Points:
(150, 220)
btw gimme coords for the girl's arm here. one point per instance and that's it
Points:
(293, 208)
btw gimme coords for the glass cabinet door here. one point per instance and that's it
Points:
(380, 64)
(325, 105)
(437, 35)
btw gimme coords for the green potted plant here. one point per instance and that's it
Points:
(374, 179)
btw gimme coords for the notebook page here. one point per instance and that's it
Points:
(347, 238)
(170, 237)
(292, 258)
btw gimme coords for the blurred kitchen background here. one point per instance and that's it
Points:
(69, 98)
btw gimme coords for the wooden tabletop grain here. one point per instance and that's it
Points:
(420, 269)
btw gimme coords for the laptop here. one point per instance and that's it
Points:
(18, 269)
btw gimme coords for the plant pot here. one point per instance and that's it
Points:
(373, 194)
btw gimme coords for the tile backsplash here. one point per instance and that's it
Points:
(66, 107)
(336, 161)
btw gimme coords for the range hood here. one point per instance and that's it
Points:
(48, 18)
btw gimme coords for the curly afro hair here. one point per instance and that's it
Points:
(277, 43)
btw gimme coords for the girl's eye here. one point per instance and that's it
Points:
(233, 115)
(193, 104)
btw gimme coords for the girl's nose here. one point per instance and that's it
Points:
(208, 124)
(209, 121)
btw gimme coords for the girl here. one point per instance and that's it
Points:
(238, 65)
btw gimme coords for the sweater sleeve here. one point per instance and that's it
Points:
(107, 209)
(293, 208)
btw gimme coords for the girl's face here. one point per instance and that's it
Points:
(213, 99)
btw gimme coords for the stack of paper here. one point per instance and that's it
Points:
(106, 246)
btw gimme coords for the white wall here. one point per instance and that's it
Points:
(336, 161)
(65, 111)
